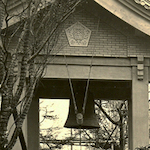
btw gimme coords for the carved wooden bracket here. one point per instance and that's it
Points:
(140, 67)
(145, 3)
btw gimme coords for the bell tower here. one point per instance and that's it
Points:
(103, 50)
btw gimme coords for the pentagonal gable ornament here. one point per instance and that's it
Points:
(78, 35)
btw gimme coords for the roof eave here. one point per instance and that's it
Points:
(130, 12)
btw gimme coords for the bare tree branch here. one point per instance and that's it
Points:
(110, 119)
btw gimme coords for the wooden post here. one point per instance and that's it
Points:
(138, 110)
(33, 125)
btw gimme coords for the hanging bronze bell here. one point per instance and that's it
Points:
(80, 120)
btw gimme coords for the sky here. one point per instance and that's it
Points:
(60, 108)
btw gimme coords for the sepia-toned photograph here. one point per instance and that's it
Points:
(74, 74)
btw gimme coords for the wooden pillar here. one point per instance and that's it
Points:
(138, 110)
(33, 125)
